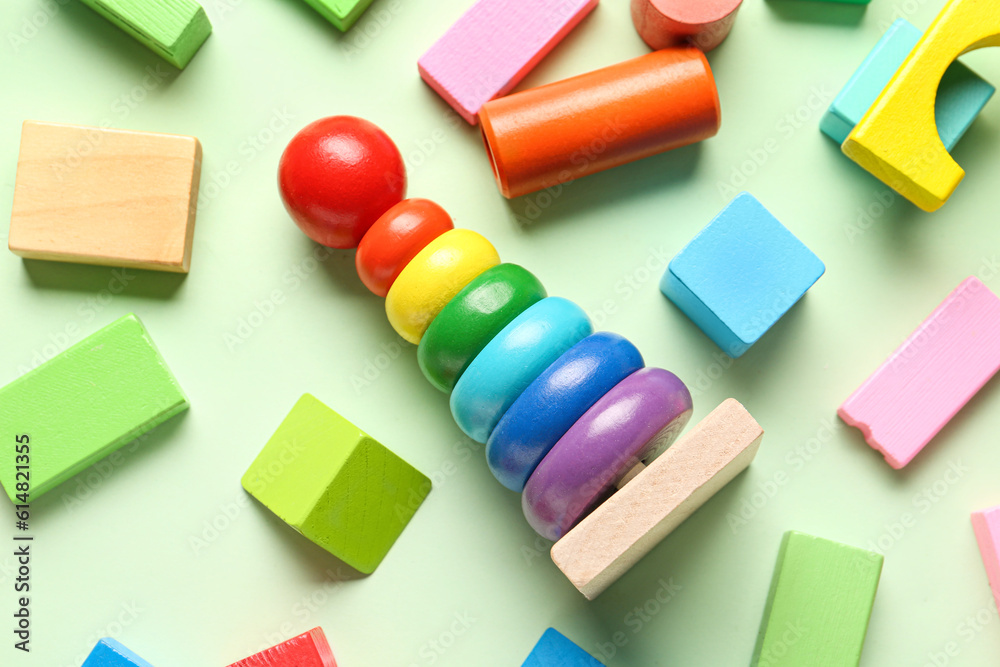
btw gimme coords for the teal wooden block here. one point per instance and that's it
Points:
(555, 650)
(819, 604)
(740, 275)
(341, 13)
(110, 653)
(961, 96)
(84, 404)
(172, 29)
(336, 485)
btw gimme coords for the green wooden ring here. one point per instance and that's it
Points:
(470, 320)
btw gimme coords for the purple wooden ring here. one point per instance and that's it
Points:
(635, 421)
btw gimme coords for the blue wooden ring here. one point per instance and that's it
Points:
(512, 360)
(554, 402)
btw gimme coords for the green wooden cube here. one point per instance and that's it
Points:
(83, 405)
(341, 13)
(336, 485)
(172, 29)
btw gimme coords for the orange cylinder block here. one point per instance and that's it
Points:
(557, 133)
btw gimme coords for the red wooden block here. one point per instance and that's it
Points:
(308, 650)
(703, 23)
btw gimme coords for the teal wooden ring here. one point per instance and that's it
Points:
(512, 360)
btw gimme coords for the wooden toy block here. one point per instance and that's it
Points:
(172, 29)
(554, 134)
(310, 649)
(110, 197)
(961, 97)
(928, 379)
(83, 405)
(606, 544)
(555, 650)
(740, 275)
(986, 525)
(897, 140)
(336, 485)
(343, 14)
(666, 23)
(493, 46)
(821, 598)
(110, 653)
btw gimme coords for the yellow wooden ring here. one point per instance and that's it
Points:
(434, 277)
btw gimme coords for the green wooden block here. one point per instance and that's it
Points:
(820, 601)
(341, 13)
(172, 29)
(84, 404)
(336, 485)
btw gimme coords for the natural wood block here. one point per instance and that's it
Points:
(336, 485)
(986, 525)
(819, 604)
(606, 544)
(928, 379)
(109, 197)
(172, 29)
(110, 653)
(84, 404)
(307, 650)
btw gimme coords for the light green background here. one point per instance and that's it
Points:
(121, 561)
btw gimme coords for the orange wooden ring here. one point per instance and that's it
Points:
(396, 238)
(546, 136)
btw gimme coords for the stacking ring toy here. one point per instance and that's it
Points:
(512, 360)
(554, 402)
(633, 422)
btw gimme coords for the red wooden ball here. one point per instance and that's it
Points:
(337, 176)
(396, 238)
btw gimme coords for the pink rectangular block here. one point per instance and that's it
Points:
(493, 46)
(987, 527)
(931, 376)
(307, 650)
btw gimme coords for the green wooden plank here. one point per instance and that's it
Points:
(85, 403)
(341, 13)
(173, 29)
(336, 485)
(819, 604)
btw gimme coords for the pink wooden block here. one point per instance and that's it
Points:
(493, 46)
(307, 650)
(987, 527)
(931, 376)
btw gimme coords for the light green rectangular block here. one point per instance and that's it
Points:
(819, 604)
(172, 29)
(341, 13)
(336, 485)
(84, 404)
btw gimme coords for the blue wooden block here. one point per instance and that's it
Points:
(109, 653)
(740, 274)
(554, 650)
(961, 97)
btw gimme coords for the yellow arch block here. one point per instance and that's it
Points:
(897, 140)
(433, 277)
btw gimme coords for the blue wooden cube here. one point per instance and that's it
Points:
(740, 274)
(961, 96)
(554, 650)
(109, 653)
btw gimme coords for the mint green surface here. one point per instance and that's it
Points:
(167, 540)
(332, 482)
(341, 13)
(86, 403)
(819, 604)
(172, 29)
